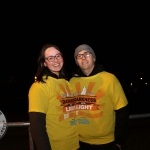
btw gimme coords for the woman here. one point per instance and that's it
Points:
(51, 103)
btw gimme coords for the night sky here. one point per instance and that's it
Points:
(119, 39)
(118, 33)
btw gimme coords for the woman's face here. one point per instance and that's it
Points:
(53, 60)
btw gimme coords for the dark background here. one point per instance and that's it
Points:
(118, 33)
(119, 36)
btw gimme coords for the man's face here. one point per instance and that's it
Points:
(86, 61)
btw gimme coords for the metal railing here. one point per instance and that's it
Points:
(31, 143)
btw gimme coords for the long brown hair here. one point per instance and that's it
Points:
(44, 71)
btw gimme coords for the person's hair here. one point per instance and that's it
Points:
(44, 71)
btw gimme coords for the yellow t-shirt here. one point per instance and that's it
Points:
(96, 99)
(55, 99)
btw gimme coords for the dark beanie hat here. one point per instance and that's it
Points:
(84, 47)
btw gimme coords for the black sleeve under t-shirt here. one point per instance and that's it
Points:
(38, 130)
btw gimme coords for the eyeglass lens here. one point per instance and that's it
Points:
(86, 54)
(51, 58)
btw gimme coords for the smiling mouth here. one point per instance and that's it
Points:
(84, 63)
(55, 65)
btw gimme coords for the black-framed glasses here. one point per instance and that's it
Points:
(80, 56)
(57, 56)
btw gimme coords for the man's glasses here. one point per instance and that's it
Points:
(57, 56)
(80, 56)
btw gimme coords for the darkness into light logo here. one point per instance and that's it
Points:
(3, 124)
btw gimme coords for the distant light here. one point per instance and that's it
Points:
(146, 83)
(141, 78)
(130, 84)
(35, 78)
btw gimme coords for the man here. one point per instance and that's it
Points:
(101, 105)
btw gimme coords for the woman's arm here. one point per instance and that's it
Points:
(38, 130)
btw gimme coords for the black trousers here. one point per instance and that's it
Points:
(108, 146)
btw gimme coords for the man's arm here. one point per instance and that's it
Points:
(122, 120)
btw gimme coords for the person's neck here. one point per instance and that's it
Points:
(56, 72)
(88, 71)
